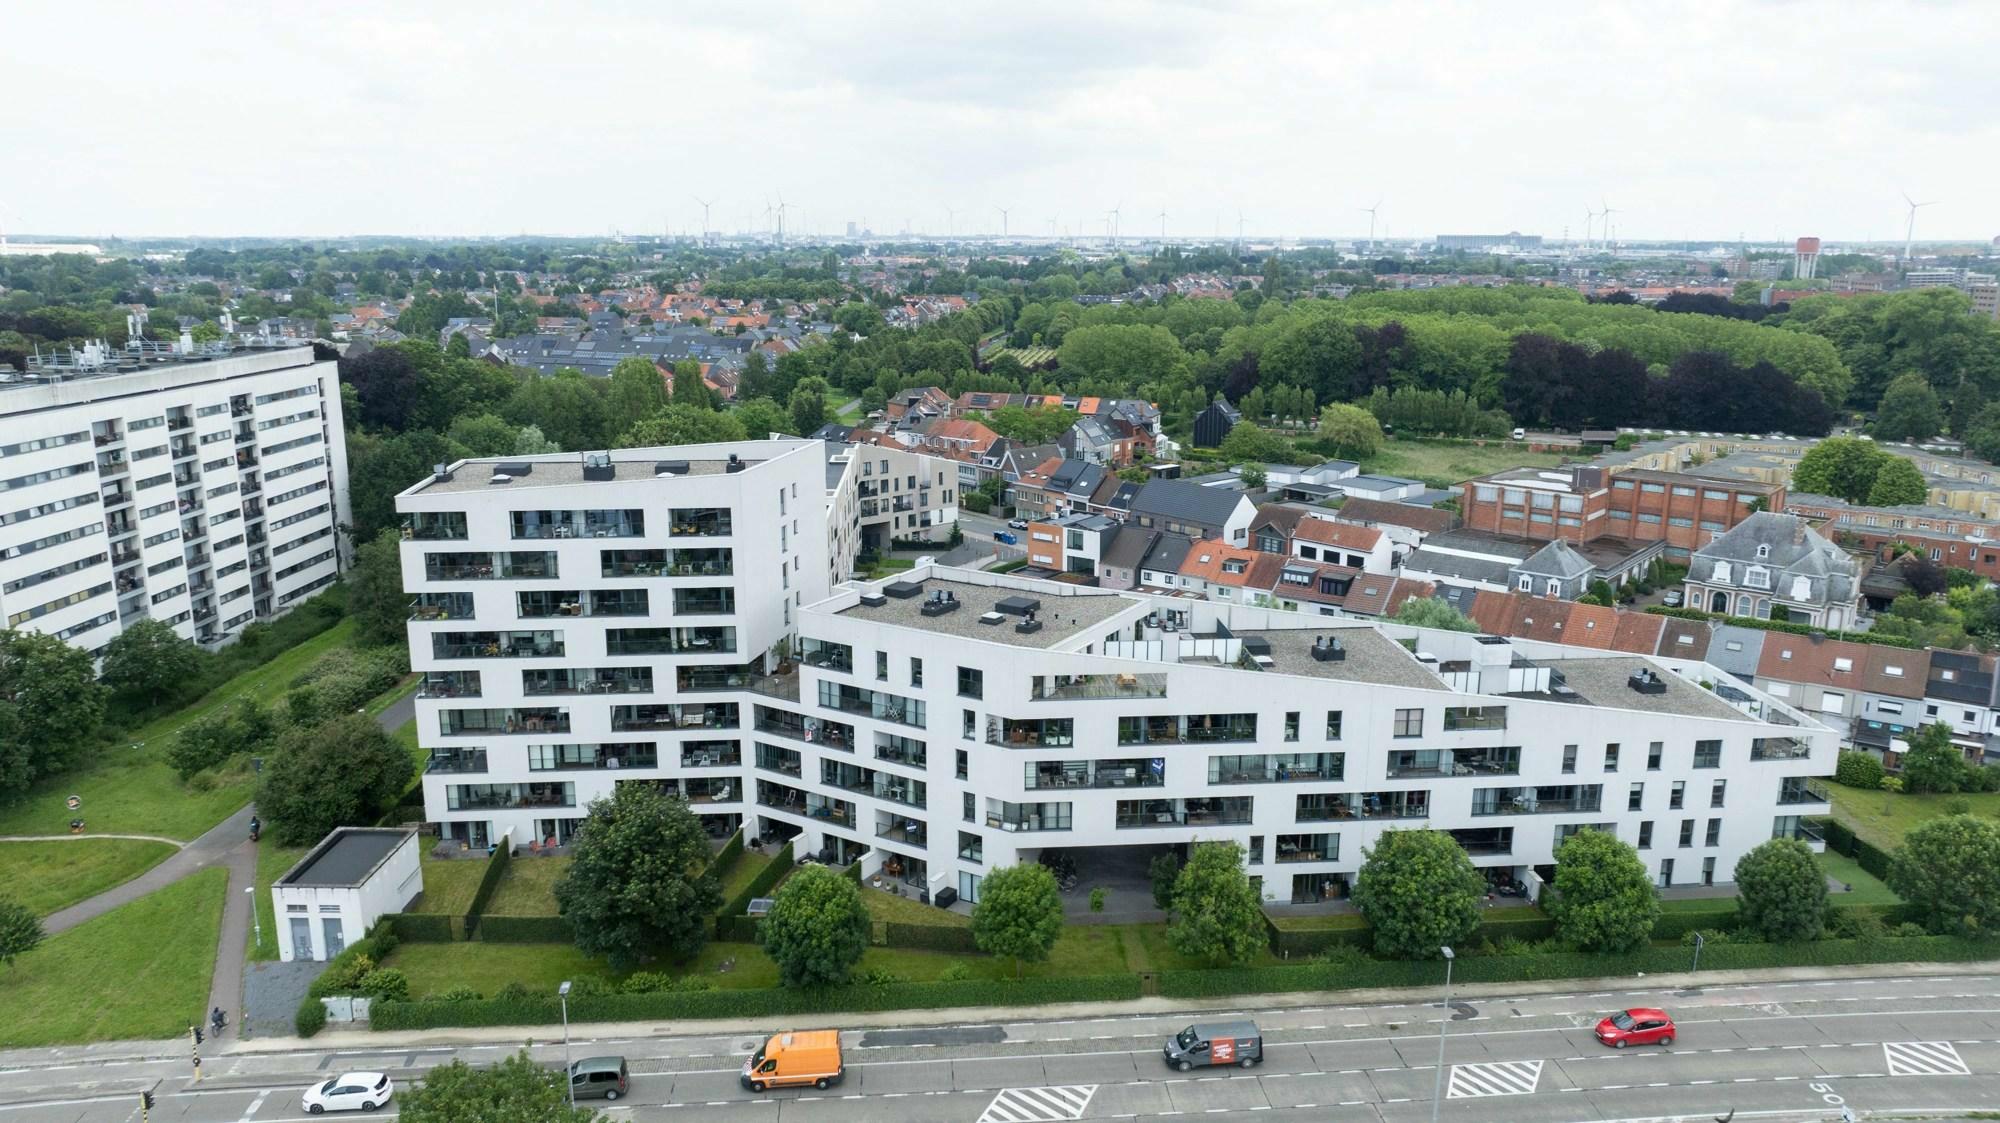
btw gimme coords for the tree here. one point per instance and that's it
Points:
(1433, 612)
(691, 389)
(636, 392)
(1164, 870)
(1909, 410)
(344, 773)
(485, 434)
(1352, 431)
(817, 928)
(808, 406)
(1217, 916)
(1419, 891)
(1031, 426)
(243, 726)
(683, 425)
(1842, 467)
(149, 659)
(761, 417)
(1781, 890)
(859, 318)
(50, 705)
(1933, 763)
(1019, 913)
(1605, 900)
(20, 930)
(517, 1090)
(638, 883)
(375, 598)
(1252, 475)
(1898, 483)
(1948, 870)
(1859, 770)
(569, 407)
(1249, 444)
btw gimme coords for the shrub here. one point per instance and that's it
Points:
(929, 937)
(591, 986)
(459, 993)
(343, 975)
(817, 928)
(1782, 890)
(957, 972)
(310, 1018)
(646, 982)
(514, 992)
(1858, 770)
(1097, 900)
(1605, 900)
(1019, 913)
(1419, 891)
(385, 984)
(1948, 869)
(1958, 805)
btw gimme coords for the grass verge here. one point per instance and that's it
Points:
(906, 910)
(47, 876)
(272, 862)
(139, 971)
(1444, 463)
(528, 888)
(1865, 888)
(450, 884)
(1883, 818)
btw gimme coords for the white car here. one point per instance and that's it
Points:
(1017, 524)
(350, 1091)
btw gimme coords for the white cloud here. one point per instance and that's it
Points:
(1693, 121)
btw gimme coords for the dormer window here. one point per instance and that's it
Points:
(1720, 573)
(1232, 567)
(1757, 577)
(1801, 588)
(1527, 584)
(1843, 664)
(1555, 587)
(1763, 552)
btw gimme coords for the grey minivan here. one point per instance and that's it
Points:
(1216, 1043)
(599, 1078)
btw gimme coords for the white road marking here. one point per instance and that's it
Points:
(1039, 1105)
(1494, 1078)
(1923, 1058)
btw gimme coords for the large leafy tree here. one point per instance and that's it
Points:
(1217, 917)
(375, 598)
(50, 704)
(517, 1090)
(1434, 612)
(817, 928)
(1897, 484)
(808, 405)
(1948, 870)
(1933, 763)
(344, 773)
(683, 425)
(636, 392)
(1351, 431)
(638, 883)
(569, 407)
(1843, 467)
(1781, 891)
(1419, 891)
(1604, 899)
(760, 417)
(1909, 410)
(149, 660)
(1019, 913)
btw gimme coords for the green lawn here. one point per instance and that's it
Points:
(528, 888)
(272, 862)
(139, 971)
(748, 865)
(131, 790)
(1867, 889)
(1883, 818)
(47, 876)
(1147, 945)
(449, 884)
(1444, 464)
(886, 906)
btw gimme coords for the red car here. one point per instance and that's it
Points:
(1641, 1026)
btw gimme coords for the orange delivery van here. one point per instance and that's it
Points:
(791, 1060)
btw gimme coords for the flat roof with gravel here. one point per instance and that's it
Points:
(1603, 682)
(1061, 617)
(1371, 657)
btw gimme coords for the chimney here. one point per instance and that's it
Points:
(1798, 531)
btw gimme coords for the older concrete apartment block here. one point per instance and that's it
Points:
(199, 486)
(663, 616)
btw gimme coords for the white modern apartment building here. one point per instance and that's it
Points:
(950, 722)
(202, 486)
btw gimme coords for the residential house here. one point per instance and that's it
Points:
(1214, 423)
(1555, 570)
(1199, 512)
(1160, 565)
(1230, 573)
(1771, 562)
(1339, 543)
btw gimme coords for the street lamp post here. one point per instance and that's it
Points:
(569, 1078)
(256, 918)
(1437, 1092)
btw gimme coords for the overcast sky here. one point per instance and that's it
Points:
(1692, 121)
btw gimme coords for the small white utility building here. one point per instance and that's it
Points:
(354, 876)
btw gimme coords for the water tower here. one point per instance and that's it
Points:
(1808, 259)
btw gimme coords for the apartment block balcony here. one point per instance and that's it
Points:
(1125, 773)
(711, 754)
(1147, 813)
(1800, 789)
(1558, 799)
(496, 645)
(460, 761)
(1197, 729)
(449, 684)
(435, 526)
(604, 680)
(1363, 805)
(1070, 688)
(701, 522)
(713, 715)
(1780, 748)
(819, 731)
(503, 797)
(582, 758)
(441, 606)
(1283, 768)
(525, 719)
(1308, 848)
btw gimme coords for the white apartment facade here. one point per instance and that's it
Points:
(199, 485)
(951, 722)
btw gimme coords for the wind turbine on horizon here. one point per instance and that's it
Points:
(1003, 220)
(704, 214)
(1910, 226)
(1163, 228)
(1370, 211)
(1111, 223)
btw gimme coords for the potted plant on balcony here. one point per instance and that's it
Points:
(781, 656)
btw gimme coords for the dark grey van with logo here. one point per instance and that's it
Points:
(1216, 1043)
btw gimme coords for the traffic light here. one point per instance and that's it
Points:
(146, 1100)
(197, 1034)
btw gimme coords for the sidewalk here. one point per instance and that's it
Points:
(336, 1041)
(210, 849)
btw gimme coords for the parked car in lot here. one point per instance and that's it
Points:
(1215, 1043)
(350, 1091)
(595, 1078)
(1640, 1025)
(1672, 599)
(790, 1060)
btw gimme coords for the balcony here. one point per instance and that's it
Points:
(1133, 814)
(871, 703)
(608, 680)
(547, 603)
(1070, 688)
(901, 750)
(1407, 764)
(579, 524)
(449, 684)
(1308, 848)
(460, 761)
(1286, 768)
(1055, 732)
(700, 602)
(908, 832)
(1549, 800)
(826, 655)
(441, 606)
(701, 522)
(832, 734)
(1364, 805)
(787, 762)
(1780, 748)
(434, 526)
(1027, 817)
(1132, 773)
(1799, 789)
(496, 645)
(1462, 718)
(703, 789)
(1196, 729)
(487, 723)
(1482, 841)
(711, 754)
(488, 567)
(671, 641)
(713, 715)
(582, 758)
(502, 797)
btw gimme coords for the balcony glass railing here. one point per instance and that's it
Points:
(700, 522)
(441, 606)
(608, 680)
(449, 684)
(1308, 848)
(1065, 688)
(1411, 763)
(494, 797)
(1779, 748)
(461, 723)
(1028, 816)
(714, 715)
(711, 754)
(1199, 729)
(456, 761)
(819, 731)
(497, 645)
(1141, 813)
(577, 758)
(1128, 773)
(1553, 800)
(1796, 789)
(1057, 732)
(1282, 768)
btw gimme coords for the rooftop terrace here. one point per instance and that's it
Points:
(477, 475)
(1605, 682)
(1371, 657)
(1060, 617)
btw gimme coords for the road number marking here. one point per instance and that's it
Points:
(1923, 1058)
(1493, 1078)
(1039, 1105)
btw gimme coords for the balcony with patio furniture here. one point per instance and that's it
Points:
(1280, 768)
(449, 684)
(441, 606)
(1206, 811)
(498, 722)
(1548, 799)
(672, 716)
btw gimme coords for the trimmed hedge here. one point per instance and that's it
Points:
(754, 1003)
(736, 929)
(726, 857)
(852, 872)
(1354, 931)
(425, 927)
(1873, 858)
(498, 929)
(1568, 965)
(1839, 836)
(929, 937)
(1783, 626)
(1675, 923)
(1499, 929)
(759, 886)
(489, 883)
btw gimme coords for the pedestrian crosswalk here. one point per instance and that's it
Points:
(1493, 1078)
(1039, 1105)
(1923, 1058)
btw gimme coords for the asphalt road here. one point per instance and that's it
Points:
(1925, 1046)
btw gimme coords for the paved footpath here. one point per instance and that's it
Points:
(210, 849)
